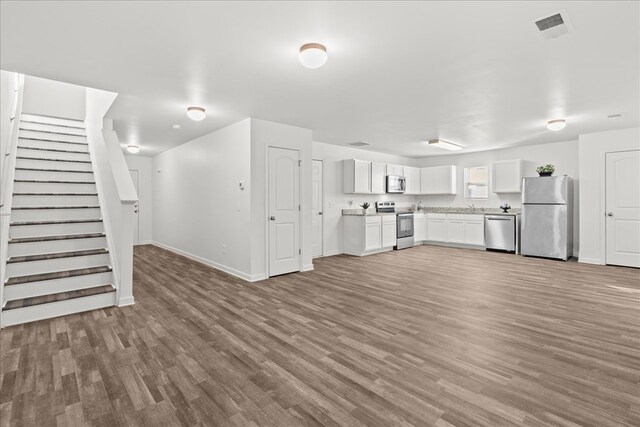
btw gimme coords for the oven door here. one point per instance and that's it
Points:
(404, 225)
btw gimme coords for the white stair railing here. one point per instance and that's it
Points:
(115, 189)
(8, 171)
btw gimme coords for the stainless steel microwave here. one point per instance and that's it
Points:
(396, 184)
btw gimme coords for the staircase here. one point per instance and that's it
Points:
(58, 260)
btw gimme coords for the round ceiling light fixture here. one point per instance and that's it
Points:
(176, 126)
(133, 149)
(196, 113)
(556, 125)
(313, 55)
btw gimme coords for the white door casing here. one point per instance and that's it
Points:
(284, 211)
(316, 208)
(136, 208)
(622, 203)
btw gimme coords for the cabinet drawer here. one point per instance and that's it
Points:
(372, 219)
(436, 216)
(388, 218)
(466, 217)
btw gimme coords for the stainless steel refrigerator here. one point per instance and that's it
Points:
(547, 217)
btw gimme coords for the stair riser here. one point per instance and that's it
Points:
(60, 264)
(34, 143)
(53, 165)
(50, 136)
(53, 187)
(52, 128)
(54, 176)
(24, 201)
(17, 232)
(51, 120)
(56, 309)
(26, 152)
(54, 214)
(55, 246)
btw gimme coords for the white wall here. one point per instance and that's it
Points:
(198, 209)
(592, 149)
(144, 166)
(563, 155)
(263, 135)
(8, 86)
(52, 98)
(334, 197)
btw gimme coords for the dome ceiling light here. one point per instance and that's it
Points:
(133, 149)
(556, 125)
(313, 55)
(196, 113)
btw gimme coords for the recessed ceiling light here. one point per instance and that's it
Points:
(133, 149)
(176, 126)
(196, 113)
(614, 116)
(312, 55)
(445, 144)
(556, 125)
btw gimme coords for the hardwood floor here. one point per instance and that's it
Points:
(425, 336)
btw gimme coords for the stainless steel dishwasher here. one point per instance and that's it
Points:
(501, 233)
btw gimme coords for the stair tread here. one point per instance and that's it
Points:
(36, 181)
(52, 124)
(63, 296)
(50, 131)
(52, 238)
(53, 149)
(51, 170)
(57, 255)
(52, 140)
(52, 160)
(56, 275)
(55, 194)
(57, 221)
(24, 208)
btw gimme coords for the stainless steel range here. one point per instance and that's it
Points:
(404, 224)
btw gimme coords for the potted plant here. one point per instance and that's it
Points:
(546, 170)
(364, 207)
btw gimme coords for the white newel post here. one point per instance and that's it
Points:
(125, 294)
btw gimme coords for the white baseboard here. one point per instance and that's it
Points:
(596, 261)
(126, 301)
(331, 253)
(217, 266)
(146, 242)
(308, 267)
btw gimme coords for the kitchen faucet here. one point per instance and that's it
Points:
(473, 207)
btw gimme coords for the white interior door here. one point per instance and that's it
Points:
(136, 208)
(623, 208)
(316, 208)
(284, 211)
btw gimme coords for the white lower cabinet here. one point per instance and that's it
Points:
(368, 234)
(419, 228)
(463, 229)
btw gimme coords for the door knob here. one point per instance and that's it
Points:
(319, 213)
(609, 213)
(135, 211)
(272, 218)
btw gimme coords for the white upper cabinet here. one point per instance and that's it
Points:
(357, 176)
(507, 176)
(378, 178)
(395, 170)
(438, 180)
(413, 180)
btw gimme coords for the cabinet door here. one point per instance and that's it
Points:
(377, 178)
(437, 230)
(362, 176)
(413, 180)
(388, 234)
(438, 180)
(474, 233)
(372, 235)
(395, 170)
(420, 230)
(507, 176)
(455, 231)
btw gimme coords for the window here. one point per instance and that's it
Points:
(476, 182)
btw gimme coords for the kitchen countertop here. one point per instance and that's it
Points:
(477, 211)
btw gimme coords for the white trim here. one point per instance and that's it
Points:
(332, 253)
(595, 261)
(126, 301)
(217, 266)
(146, 242)
(307, 267)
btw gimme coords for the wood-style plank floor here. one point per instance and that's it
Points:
(425, 336)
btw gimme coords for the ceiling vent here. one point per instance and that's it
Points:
(359, 144)
(553, 26)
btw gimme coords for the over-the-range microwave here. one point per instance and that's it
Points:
(396, 184)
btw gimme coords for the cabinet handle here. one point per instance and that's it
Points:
(272, 218)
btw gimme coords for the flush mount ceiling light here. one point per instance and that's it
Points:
(176, 126)
(196, 113)
(312, 55)
(133, 149)
(444, 144)
(556, 125)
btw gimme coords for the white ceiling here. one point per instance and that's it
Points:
(399, 73)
